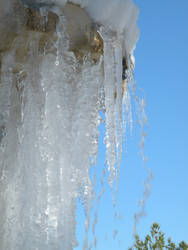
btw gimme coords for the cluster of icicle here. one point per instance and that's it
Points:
(49, 134)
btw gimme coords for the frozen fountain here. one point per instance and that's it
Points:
(61, 62)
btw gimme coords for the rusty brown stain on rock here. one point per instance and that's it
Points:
(36, 22)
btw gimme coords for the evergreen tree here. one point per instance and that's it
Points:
(156, 240)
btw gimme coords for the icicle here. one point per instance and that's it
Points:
(118, 104)
(113, 101)
(5, 91)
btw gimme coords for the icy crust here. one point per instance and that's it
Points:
(118, 15)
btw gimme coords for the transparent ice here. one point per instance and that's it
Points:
(49, 118)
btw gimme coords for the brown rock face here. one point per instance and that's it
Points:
(12, 20)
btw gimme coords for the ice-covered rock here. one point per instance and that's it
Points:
(60, 64)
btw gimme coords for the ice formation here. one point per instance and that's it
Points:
(55, 77)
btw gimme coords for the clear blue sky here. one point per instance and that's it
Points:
(161, 70)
